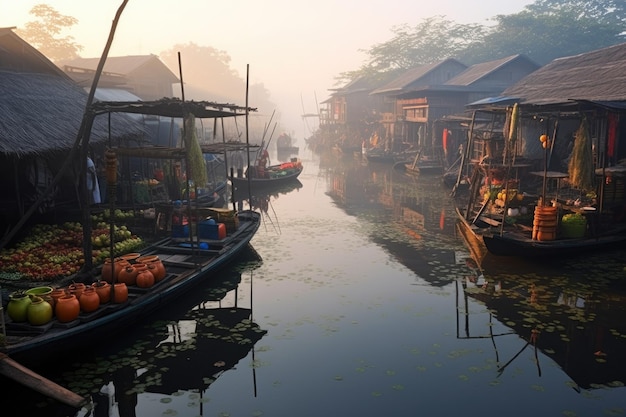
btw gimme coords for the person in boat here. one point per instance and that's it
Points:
(262, 164)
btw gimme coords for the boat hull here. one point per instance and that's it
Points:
(186, 268)
(244, 182)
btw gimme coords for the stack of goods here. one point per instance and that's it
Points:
(545, 223)
(226, 216)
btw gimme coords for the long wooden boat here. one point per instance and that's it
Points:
(187, 264)
(272, 176)
(519, 228)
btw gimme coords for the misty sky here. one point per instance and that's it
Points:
(294, 47)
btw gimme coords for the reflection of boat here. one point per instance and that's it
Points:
(220, 339)
(261, 199)
(578, 326)
(187, 264)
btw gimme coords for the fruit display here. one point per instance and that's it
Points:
(50, 252)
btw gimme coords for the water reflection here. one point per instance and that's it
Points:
(410, 216)
(568, 311)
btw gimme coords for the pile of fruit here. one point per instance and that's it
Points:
(50, 252)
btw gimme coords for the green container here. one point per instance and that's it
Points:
(573, 230)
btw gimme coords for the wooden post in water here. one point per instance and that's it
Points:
(25, 376)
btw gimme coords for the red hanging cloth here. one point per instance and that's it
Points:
(611, 135)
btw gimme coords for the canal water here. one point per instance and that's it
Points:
(359, 298)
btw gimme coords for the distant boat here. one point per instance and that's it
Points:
(259, 176)
(284, 144)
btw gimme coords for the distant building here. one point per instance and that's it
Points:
(143, 75)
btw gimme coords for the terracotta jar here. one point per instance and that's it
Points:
(55, 294)
(77, 289)
(147, 258)
(128, 274)
(130, 257)
(145, 277)
(67, 308)
(103, 289)
(157, 268)
(89, 300)
(121, 293)
(107, 268)
(39, 311)
(18, 306)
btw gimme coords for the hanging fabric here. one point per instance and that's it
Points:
(612, 135)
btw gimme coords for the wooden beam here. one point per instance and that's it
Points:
(25, 376)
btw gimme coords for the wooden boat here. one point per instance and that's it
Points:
(187, 263)
(520, 225)
(378, 154)
(284, 145)
(259, 176)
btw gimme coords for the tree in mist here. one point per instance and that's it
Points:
(548, 29)
(543, 31)
(44, 33)
(431, 40)
(207, 75)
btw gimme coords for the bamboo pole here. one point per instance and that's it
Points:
(30, 379)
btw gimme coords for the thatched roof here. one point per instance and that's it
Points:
(43, 112)
(595, 76)
(41, 108)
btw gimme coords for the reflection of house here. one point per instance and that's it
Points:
(42, 110)
(143, 75)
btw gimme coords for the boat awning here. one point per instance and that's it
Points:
(163, 152)
(171, 107)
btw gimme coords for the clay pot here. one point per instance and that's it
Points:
(147, 258)
(39, 311)
(145, 278)
(67, 308)
(77, 289)
(128, 274)
(103, 289)
(89, 300)
(120, 294)
(108, 274)
(157, 268)
(18, 306)
(43, 292)
(55, 294)
(130, 257)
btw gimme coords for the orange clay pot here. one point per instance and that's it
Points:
(103, 289)
(67, 308)
(89, 300)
